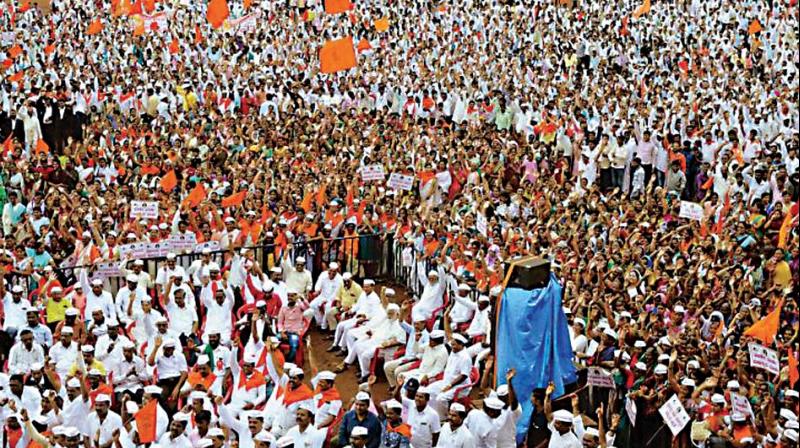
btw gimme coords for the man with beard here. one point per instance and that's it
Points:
(304, 434)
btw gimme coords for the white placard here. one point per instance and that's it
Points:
(186, 242)
(483, 225)
(144, 209)
(599, 378)
(691, 210)
(741, 405)
(400, 181)
(764, 358)
(630, 408)
(244, 24)
(372, 173)
(161, 20)
(674, 415)
(213, 246)
(107, 270)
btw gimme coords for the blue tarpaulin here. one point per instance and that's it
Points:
(533, 338)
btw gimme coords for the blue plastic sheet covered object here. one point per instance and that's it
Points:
(533, 338)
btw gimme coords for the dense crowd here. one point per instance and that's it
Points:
(649, 151)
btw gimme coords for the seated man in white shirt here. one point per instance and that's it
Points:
(129, 374)
(103, 422)
(172, 370)
(463, 309)
(456, 373)
(24, 353)
(388, 334)
(325, 292)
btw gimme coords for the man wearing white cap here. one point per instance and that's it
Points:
(64, 352)
(368, 311)
(423, 419)
(297, 277)
(54, 302)
(172, 369)
(464, 307)
(417, 339)
(131, 292)
(248, 425)
(327, 400)
(143, 277)
(295, 395)
(484, 424)
(249, 385)
(432, 297)
(97, 298)
(325, 293)
(167, 270)
(77, 405)
(14, 306)
(454, 433)
(361, 417)
(345, 299)
(129, 372)
(217, 296)
(456, 373)
(304, 434)
(432, 361)
(195, 270)
(387, 336)
(176, 437)
(180, 308)
(103, 421)
(566, 429)
(255, 283)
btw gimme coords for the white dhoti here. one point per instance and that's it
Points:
(440, 401)
(317, 309)
(341, 329)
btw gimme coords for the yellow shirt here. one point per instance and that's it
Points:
(782, 277)
(56, 311)
(347, 297)
(95, 365)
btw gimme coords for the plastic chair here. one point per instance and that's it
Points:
(299, 356)
(435, 315)
(461, 393)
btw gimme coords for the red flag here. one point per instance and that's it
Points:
(7, 63)
(95, 27)
(217, 13)
(235, 199)
(794, 375)
(198, 36)
(174, 47)
(766, 329)
(146, 422)
(196, 196)
(136, 8)
(623, 30)
(16, 77)
(169, 181)
(14, 51)
(337, 6)
(149, 5)
(363, 45)
(8, 144)
(50, 49)
(337, 55)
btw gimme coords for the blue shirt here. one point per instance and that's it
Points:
(41, 334)
(371, 422)
(39, 260)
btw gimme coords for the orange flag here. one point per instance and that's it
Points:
(337, 6)
(41, 146)
(766, 329)
(235, 199)
(196, 196)
(794, 375)
(149, 5)
(146, 422)
(169, 181)
(8, 144)
(322, 197)
(50, 49)
(16, 77)
(363, 45)
(198, 36)
(174, 47)
(755, 27)
(246, 3)
(642, 10)
(95, 27)
(337, 55)
(382, 25)
(14, 51)
(217, 13)
(306, 203)
(783, 233)
(139, 30)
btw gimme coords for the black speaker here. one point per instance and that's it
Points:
(533, 273)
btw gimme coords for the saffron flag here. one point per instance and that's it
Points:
(337, 6)
(14, 51)
(766, 329)
(642, 10)
(146, 422)
(217, 13)
(235, 199)
(50, 49)
(337, 55)
(783, 233)
(196, 196)
(8, 144)
(307, 201)
(363, 45)
(95, 27)
(246, 4)
(149, 5)
(174, 47)
(169, 181)
(755, 27)
(382, 24)
(42, 147)
(198, 35)
(139, 29)
(794, 375)
(16, 77)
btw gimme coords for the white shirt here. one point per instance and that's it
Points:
(123, 381)
(172, 366)
(123, 299)
(328, 287)
(457, 364)
(482, 428)
(104, 301)
(424, 424)
(64, 357)
(31, 400)
(179, 442)
(460, 438)
(567, 440)
(106, 427)
(15, 318)
(109, 351)
(165, 274)
(310, 438)
(181, 320)
(506, 426)
(20, 358)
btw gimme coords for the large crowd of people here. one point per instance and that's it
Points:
(184, 204)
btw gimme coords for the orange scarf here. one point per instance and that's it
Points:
(302, 393)
(326, 396)
(255, 380)
(196, 378)
(402, 429)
